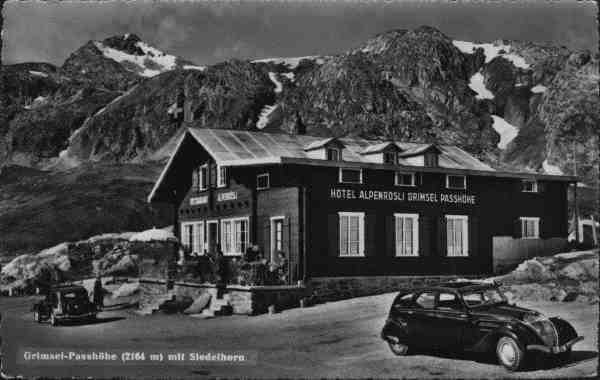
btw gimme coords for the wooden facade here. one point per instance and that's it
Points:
(306, 196)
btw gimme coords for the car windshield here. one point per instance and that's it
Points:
(73, 295)
(483, 297)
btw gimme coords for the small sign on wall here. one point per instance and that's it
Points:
(228, 196)
(199, 200)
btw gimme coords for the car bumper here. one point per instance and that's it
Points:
(554, 349)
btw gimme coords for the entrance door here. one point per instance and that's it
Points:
(276, 237)
(212, 235)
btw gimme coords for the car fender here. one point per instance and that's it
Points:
(516, 330)
(395, 329)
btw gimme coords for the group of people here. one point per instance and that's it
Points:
(225, 270)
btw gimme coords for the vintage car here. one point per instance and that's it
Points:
(65, 303)
(474, 316)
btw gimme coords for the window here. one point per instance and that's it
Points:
(426, 300)
(456, 181)
(234, 236)
(530, 228)
(276, 236)
(203, 177)
(352, 234)
(221, 176)
(334, 154)
(529, 186)
(404, 179)
(407, 234)
(448, 301)
(404, 300)
(350, 175)
(457, 235)
(262, 181)
(192, 237)
(390, 158)
(431, 159)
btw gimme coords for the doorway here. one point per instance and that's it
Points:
(212, 235)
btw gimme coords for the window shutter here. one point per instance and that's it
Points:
(425, 236)
(419, 179)
(266, 227)
(442, 243)
(333, 234)
(195, 179)
(517, 228)
(390, 236)
(541, 187)
(543, 228)
(370, 234)
(212, 168)
(473, 236)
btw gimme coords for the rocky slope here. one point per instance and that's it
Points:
(516, 105)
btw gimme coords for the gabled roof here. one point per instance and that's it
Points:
(417, 150)
(250, 148)
(378, 148)
(323, 143)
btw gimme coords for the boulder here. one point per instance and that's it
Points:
(199, 304)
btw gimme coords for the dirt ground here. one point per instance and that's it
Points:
(337, 339)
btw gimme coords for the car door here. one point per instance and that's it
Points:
(422, 326)
(450, 320)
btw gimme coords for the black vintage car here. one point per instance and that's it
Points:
(65, 303)
(474, 316)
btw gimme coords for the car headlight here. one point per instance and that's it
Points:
(544, 327)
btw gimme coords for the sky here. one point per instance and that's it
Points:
(207, 32)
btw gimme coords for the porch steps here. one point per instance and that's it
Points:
(217, 307)
(156, 304)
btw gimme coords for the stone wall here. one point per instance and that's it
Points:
(150, 290)
(324, 289)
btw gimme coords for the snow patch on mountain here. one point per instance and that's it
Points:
(289, 76)
(263, 119)
(152, 63)
(194, 67)
(539, 89)
(491, 51)
(278, 85)
(476, 84)
(38, 73)
(291, 62)
(551, 169)
(506, 131)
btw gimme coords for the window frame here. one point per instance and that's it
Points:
(233, 236)
(536, 228)
(456, 175)
(361, 233)
(263, 175)
(535, 187)
(338, 153)
(341, 177)
(198, 239)
(413, 175)
(415, 233)
(273, 240)
(465, 235)
(202, 185)
(222, 178)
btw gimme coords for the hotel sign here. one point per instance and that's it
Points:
(199, 200)
(228, 196)
(401, 196)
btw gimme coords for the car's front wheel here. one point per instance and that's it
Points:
(398, 348)
(509, 354)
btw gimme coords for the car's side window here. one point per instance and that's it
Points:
(448, 301)
(426, 300)
(405, 300)
(472, 299)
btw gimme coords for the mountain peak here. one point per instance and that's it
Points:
(127, 43)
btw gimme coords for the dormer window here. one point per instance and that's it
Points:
(203, 177)
(334, 154)
(390, 158)
(529, 186)
(221, 176)
(431, 159)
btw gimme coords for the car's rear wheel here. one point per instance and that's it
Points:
(509, 354)
(398, 348)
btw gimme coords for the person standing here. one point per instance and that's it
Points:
(98, 292)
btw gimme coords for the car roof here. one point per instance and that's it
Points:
(454, 286)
